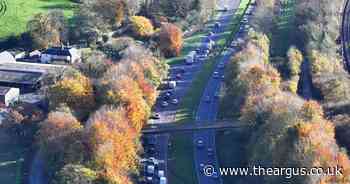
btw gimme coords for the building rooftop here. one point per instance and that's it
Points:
(59, 51)
(4, 90)
(22, 77)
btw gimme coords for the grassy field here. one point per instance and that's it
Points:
(182, 170)
(18, 12)
(10, 160)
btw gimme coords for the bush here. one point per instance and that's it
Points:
(295, 58)
(141, 26)
(77, 174)
(170, 40)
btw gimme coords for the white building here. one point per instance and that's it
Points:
(67, 54)
(6, 57)
(8, 95)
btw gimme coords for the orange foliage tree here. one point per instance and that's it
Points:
(170, 39)
(111, 139)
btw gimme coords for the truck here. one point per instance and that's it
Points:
(190, 58)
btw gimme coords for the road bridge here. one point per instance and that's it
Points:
(191, 127)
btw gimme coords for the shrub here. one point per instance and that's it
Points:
(75, 174)
(141, 26)
(295, 58)
(170, 40)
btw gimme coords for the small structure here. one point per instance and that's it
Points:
(8, 95)
(67, 54)
(6, 57)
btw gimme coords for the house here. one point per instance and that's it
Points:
(6, 57)
(8, 95)
(66, 54)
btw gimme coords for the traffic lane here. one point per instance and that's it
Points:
(203, 157)
(168, 114)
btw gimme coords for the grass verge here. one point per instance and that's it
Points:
(181, 167)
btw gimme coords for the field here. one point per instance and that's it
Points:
(14, 14)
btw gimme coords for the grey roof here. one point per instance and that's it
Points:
(58, 51)
(21, 77)
(4, 90)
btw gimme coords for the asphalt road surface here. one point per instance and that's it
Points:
(168, 114)
(207, 111)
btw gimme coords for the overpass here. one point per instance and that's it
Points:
(190, 127)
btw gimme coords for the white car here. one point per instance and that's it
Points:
(163, 180)
(174, 101)
(165, 104)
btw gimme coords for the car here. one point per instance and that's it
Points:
(221, 66)
(178, 76)
(216, 75)
(149, 179)
(163, 180)
(161, 173)
(217, 94)
(222, 77)
(207, 99)
(210, 152)
(165, 104)
(150, 140)
(199, 143)
(174, 101)
(155, 116)
(150, 169)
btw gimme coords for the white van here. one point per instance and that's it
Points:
(172, 84)
(191, 57)
(162, 180)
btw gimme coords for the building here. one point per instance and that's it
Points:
(8, 95)
(66, 54)
(6, 57)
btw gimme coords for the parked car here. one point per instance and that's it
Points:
(207, 99)
(199, 143)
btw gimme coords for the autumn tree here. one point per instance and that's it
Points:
(141, 26)
(295, 58)
(77, 174)
(170, 39)
(76, 91)
(95, 65)
(111, 138)
(48, 29)
(60, 137)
